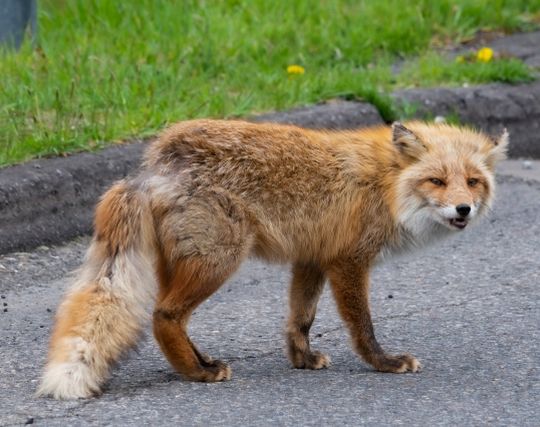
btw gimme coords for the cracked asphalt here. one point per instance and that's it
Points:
(467, 308)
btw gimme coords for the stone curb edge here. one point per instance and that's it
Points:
(48, 201)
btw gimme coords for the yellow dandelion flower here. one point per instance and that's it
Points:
(485, 54)
(295, 69)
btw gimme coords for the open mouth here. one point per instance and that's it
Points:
(459, 223)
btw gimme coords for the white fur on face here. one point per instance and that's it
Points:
(419, 220)
(419, 217)
(418, 228)
(447, 212)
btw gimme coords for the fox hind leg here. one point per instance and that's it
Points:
(306, 287)
(189, 288)
(203, 243)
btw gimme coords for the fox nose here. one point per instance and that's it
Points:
(463, 209)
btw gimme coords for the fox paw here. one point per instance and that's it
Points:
(311, 360)
(213, 371)
(397, 364)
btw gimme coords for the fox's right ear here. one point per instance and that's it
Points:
(406, 141)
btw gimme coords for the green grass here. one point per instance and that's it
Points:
(105, 71)
(432, 69)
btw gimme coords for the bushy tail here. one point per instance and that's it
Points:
(102, 315)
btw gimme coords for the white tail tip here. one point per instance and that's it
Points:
(69, 381)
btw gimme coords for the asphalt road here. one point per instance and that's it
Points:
(467, 308)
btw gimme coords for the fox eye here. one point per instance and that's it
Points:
(471, 182)
(436, 181)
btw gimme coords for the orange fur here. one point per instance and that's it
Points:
(211, 193)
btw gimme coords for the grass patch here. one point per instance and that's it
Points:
(104, 71)
(433, 69)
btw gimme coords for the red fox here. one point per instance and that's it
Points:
(211, 193)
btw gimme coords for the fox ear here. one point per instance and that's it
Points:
(406, 141)
(499, 149)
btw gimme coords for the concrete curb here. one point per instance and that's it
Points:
(51, 200)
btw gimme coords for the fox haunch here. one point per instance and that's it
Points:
(212, 193)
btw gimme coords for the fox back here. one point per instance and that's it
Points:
(311, 195)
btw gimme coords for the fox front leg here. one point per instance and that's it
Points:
(350, 285)
(306, 288)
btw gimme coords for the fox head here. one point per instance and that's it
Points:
(447, 179)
